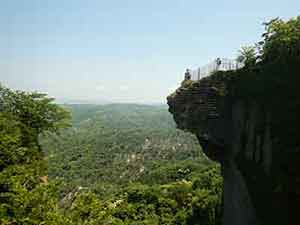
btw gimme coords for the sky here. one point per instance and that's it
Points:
(123, 50)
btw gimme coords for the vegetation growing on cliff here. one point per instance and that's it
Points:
(259, 104)
(270, 63)
(270, 76)
(273, 80)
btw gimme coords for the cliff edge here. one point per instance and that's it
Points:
(248, 121)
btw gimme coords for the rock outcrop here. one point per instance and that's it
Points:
(247, 121)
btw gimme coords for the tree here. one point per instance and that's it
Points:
(247, 55)
(280, 40)
(35, 111)
(24, 197)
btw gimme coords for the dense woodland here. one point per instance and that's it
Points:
(117, 144)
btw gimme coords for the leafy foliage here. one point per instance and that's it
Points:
(280, 40)
(247, 55)
(24, 199)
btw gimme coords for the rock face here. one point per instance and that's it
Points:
(260, 178)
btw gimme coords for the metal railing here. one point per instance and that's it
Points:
(219, 64)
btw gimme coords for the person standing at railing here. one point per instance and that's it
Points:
(218, 63)
(187, 75)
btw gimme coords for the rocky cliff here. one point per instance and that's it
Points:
(248, 121)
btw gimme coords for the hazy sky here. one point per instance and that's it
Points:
(122, 50)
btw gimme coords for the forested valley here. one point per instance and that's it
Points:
(101, 164)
